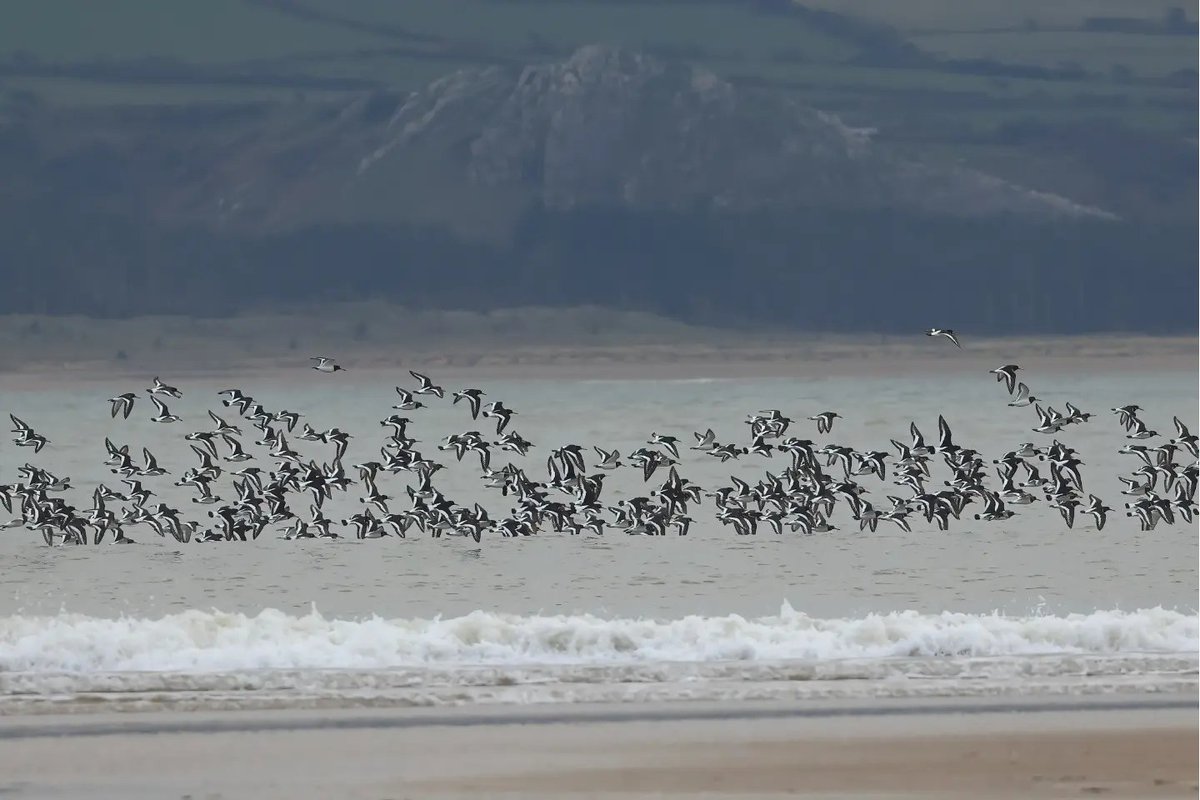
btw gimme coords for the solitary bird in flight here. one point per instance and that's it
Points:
(325, 364)
(946, 332)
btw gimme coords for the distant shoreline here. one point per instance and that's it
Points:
(629, 362)
(528, 344)
(634, 362)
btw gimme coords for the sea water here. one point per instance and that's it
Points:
(1024, 605)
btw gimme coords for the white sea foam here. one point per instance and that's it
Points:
(214, 641)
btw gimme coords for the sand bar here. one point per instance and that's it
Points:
(525, 343)
(680, 361)
(1145, 747)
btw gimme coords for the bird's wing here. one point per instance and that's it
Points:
(944, 431)
(918, 439)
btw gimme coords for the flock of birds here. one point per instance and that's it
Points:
(801, 496)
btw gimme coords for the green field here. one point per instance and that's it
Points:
(229, 34)
(977, 15)
(722, 29)
(403, 44)
(1145, 56)
(211, 32)
(91, 94)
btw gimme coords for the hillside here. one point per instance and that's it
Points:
(607, 126)
(468, 153)
(1052, 95)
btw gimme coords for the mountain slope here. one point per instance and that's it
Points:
(608, 126)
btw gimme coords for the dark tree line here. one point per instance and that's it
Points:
(817, 270)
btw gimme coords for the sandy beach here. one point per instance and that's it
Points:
(1135, 745)
(524, 343)
(648, 362)
(1130, 748)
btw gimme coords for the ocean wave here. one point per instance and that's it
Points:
(215, 641)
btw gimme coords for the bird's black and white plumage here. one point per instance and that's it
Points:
(1127, 415)
(802, 495)
(222, 427)
(472, 396)
(122, 404)
(160, 388)
(407, 401)
(825, 420)
(234, 397)
(1184, 438)
(325, 364)
(152, 469)
(1049, 420)
(163, 414)
(1007, 374)
(704, 441)
(945, 333)
(945, 437)
(1138, 430)
(1023, 398)
(669, 443)
(427, 386)
(1097, 510)
(609, 459)
(497, 411)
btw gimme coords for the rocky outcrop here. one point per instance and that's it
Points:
(607, 126)
(614, 126)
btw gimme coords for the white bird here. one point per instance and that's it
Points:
(326, 365)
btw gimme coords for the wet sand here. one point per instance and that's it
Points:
(819, 358)
(524, 343)
(1081, 748)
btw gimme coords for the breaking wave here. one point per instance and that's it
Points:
(214, 641)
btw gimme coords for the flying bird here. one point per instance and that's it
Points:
(1023, 398)
(1008, 374)
(163, 414)
(326, 365)
(945, 333)
(426, 386)
(122, 404)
